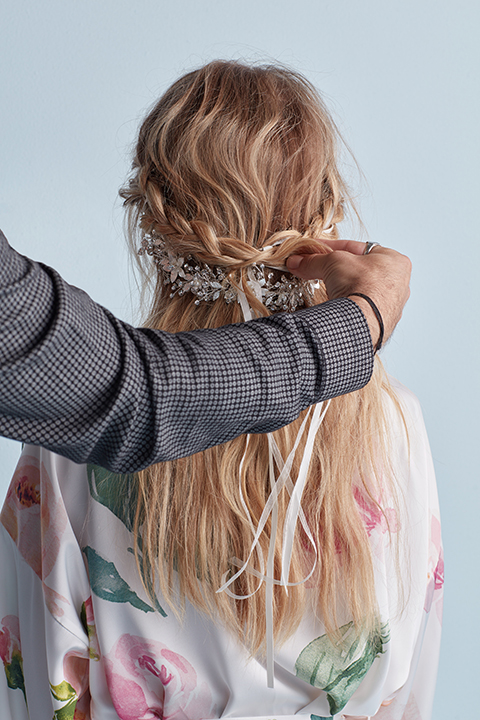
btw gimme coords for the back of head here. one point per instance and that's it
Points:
(232, 159)
(229, 157)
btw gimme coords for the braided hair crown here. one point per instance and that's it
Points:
(235, 166)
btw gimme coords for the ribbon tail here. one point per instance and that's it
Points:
(294, 506)
(270, 576)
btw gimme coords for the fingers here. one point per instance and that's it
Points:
(351, 246)
(311, 267)
(294, 261)
(308, 267)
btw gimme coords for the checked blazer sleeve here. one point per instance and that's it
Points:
(78, 381)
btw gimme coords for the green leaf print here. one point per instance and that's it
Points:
(320, 717)
(67, 712)
(339, 669)
(117, 492)
(14, 673)
(148, 582)
(63, 691)
(107, 584)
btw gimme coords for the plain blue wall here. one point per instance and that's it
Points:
(402, 79)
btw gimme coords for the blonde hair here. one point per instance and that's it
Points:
(231, 159)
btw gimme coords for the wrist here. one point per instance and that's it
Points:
(372, 316)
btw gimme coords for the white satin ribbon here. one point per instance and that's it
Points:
(242, 299)
(293, 514)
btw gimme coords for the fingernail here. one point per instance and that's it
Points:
(294, 261)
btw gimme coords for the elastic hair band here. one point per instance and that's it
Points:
(377, 315)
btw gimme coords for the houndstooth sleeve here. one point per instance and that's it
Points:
(78, 381)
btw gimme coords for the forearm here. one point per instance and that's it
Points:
(78, 381)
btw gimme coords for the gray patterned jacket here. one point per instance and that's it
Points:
(78, 381)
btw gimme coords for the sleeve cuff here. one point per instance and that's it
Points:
(346, 344)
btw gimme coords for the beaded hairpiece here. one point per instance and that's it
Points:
(188, 274)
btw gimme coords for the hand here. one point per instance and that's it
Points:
(383, 275)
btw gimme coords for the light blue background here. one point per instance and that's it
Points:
(402, 79)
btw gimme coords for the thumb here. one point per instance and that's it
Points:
(294, 261)
(308, 267)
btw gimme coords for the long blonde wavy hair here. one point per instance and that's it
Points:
(232, 158)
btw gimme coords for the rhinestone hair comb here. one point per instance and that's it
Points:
(187, 274)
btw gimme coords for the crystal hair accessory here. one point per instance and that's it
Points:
(187, 274)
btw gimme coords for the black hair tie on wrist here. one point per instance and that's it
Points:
(377, 315)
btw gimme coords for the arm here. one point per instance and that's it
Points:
(78, 381)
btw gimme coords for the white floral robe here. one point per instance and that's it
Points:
(80, 639)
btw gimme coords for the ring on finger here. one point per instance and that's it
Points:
(369, 247)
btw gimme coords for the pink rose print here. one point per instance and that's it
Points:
(88, 620)
(35, 520)
(9, 638)
(438, 575)
(89, 616)
(11, 654)
(374, 518)
(27, 491)
(23, 496)
(395, 709)
(75, 672)
(434, 594)
(147, 680)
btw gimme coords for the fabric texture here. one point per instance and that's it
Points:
(80, 639)
(81, 383)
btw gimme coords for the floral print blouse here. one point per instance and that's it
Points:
(81, 640)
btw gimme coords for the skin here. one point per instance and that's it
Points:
(383, 275)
